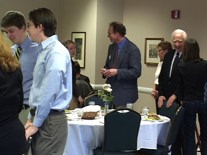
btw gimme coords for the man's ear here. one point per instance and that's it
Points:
(40, 27)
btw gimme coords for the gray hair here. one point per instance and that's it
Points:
(179, 31)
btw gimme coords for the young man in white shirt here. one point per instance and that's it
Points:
(52, 86)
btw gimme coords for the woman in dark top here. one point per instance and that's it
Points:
(192, 76)
(12, 132)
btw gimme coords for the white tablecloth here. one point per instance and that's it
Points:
(86, 135)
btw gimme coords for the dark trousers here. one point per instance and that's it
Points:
(12, 138)
(51, 136)
(189, 123)
(177, 147)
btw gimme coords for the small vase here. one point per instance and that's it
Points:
(106, 107)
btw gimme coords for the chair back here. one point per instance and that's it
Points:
(121, 128)
(175, 126)
(168, 112)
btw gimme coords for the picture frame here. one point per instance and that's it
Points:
(80, 39)
(151, 55)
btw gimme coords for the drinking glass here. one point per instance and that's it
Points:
(79, 113)
(129, 106)
(91, 103)
(145, 110)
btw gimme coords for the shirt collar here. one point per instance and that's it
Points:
(180, 53)
(27, 41)
(122, 43)
(48, 41)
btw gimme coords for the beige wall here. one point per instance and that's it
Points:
(80, 16)
(25, 6)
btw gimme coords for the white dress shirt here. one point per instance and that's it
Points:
(157, 73)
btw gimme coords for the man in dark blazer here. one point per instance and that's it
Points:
(122, 67)
(167, 78)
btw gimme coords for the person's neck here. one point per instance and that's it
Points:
(43, 38)
(22, 39)
(120, 39)
(179, 51)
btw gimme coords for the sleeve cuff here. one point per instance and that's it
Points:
(37, 121)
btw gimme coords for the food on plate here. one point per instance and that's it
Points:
(153, 117)
(152, 113)
(68, 111)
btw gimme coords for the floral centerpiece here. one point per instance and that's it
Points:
(106, 95)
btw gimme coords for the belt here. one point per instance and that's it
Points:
(55, 111)
(52, 111)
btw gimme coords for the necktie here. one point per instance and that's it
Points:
(176, 60)
(18, 52)
(115, 57)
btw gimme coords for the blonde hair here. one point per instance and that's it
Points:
(8, 63)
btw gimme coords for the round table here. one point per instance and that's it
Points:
(86, 135)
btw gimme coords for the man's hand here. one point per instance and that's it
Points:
(154, 93)
(103, 70)
(81, 101)
(110, 72)
(160, 101)
(171, 100)
(31, 130)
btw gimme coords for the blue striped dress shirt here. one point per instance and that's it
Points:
(28, 60)
(52, 83)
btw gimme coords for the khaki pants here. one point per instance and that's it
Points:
(51, 136)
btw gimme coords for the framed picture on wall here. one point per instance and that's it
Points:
(80, 39)
(151, 55)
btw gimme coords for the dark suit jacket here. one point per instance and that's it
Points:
(75, 94)
(167, 85)
(124, 85)
(11, 95)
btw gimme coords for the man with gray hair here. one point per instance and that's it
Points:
(167, 78)
(167, 74)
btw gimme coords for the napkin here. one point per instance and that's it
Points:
(72, 116)
(92, 108)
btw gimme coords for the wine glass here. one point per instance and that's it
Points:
(79, 113)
